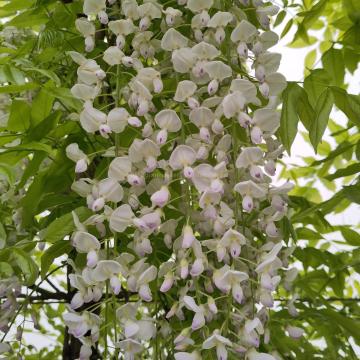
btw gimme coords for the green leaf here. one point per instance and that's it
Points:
(287, 28)
(280, 17)
(41, 107)
(32, 168)
(352, 192)
(65, 96)
(28, 18)
(26, 264)
(308, 234)
(315, 84)
(3, 236)
(353, 9)
(348, 104)
(44, 127)
(9, 172)
(32, 147)
(322, 110)
(304, 109)
(333, 63)
(352, 237)
(32, 198)
(342, 148)
(53, 252)
(15, 5)
(310, 59)
(289, 117)
(64, 225)
(19, 119)
(313, 14)
(357, 150)
(350, 170)
(350, 326)
(48, 73)
(10, 89)
(13, 75)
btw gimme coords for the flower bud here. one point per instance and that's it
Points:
(120, 41)
(204, 18)
(220, 35)
(202, 153)
(115, 284)
(147, 130)
(158, 85)
(247, 203)
(143, 108)
(217, 127)
(242, 50)
(212, 305)
(145, 293)
(266, 299)
(97, 294)
(85, 352)
(89, 44)
(81, 166)
(100, 74)
(199, 36)
(235, 249)
(260, 73)
(105, 130)
(160, 198)
(270, 168)
(213, 87)
(205, 134)
(92, 259)
(256, 135)
(188, 172)
(77, 301)
(197, 268)
(244, 119)
(188, 237)
(237, 293)
(169, 20)
(88, 297)
(151, 164)
(144, 23)
(98, 204)
(271, 230)
(167, 283)
(220, 252)
(256, 172)
(184, 269)
(134, 180)
(103, 17)
(128, 61)
(134, 121)
(162, 137)
(193, 103)
(264, 89)
(278, 203)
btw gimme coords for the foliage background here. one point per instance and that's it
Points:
(36, 76)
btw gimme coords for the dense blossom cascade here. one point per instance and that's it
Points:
(185, 215)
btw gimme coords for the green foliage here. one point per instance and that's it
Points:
(36, 76)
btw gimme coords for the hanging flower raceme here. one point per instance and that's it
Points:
(182, 107)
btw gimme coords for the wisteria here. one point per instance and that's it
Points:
(185, 103)
(208, 145)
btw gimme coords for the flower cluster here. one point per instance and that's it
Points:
(186, 215)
